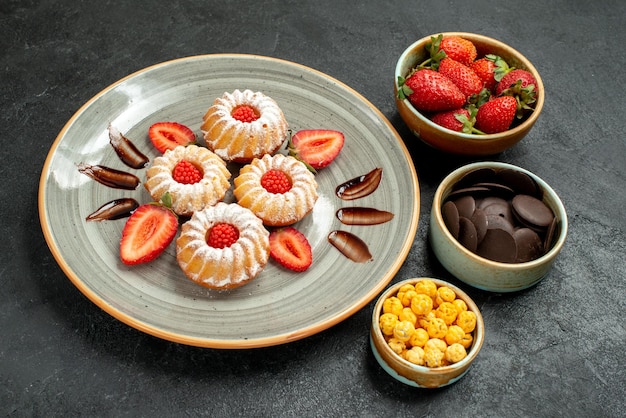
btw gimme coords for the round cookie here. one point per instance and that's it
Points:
(188, 197)
(276, 209)
(244, 125)
(231, 266)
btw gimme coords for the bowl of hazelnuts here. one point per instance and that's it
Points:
(467, 94)
(426, 332)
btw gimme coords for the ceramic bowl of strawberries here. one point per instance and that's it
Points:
(467, 94)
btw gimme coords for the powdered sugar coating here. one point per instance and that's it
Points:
(238, 141)
(277, 209)
(222, 268)
(188, 198)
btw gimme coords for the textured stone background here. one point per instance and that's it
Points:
(554, 350)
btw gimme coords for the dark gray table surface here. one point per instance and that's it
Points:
(557, 349)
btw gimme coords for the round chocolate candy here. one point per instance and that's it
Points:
(522, 183)
(467, 234)
(498, 222)
(550, 231)
(497, 188)
(450, 215)
(474, 191)
(486, 201)
(531, 211)
(529, 245)
(498, 245)
(479, 219)
(476, 176)
(501, 209)
(465, 206)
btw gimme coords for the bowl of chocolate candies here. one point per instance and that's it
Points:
(426, 332)
(496, 226)
(467, 94)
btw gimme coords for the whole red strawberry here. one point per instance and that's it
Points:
(463, 76)
(490, 69)
(511, 78)
(459, 49)
(430, 91)
(454, 120)
(496, 115)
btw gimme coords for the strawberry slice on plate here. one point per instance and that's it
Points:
(169, 135)
(316, 147)
(147, 232)
(290, 248)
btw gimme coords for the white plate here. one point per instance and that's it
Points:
(277, 306)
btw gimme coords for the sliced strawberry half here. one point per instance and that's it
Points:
(146, 234)
(316, 147)
(169, 135)
(290, 248)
